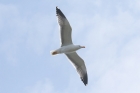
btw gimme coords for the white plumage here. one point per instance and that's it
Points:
(68, 48)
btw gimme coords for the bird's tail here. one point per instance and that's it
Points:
(54, 52)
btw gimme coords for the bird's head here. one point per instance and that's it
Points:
(81, 46)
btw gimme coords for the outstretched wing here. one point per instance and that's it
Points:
(79, 65)
(65, 28)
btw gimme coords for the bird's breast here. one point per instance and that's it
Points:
(68, 49)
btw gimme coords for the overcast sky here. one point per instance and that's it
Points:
(110, 30)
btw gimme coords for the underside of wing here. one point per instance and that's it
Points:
(79, 65)
(65, 28)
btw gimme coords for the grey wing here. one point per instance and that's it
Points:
(79, 65)
(65, 28)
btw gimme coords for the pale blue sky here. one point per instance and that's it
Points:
(108, 28)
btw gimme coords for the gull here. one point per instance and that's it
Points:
(68, 48)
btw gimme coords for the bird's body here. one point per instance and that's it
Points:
(68, 48)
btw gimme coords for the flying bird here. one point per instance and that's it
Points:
(68, 48)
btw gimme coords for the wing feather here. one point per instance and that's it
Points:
(65, 28)
(79, 65)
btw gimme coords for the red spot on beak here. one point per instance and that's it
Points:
(83, 46)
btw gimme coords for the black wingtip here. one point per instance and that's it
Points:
(59, 12)
(56, 7)
(85, 79)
